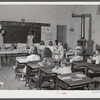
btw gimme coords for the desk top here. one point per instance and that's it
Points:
(13, 51)
(47, 69)
(33, 64)
(84, 79)
(21, 59)
(94, 67)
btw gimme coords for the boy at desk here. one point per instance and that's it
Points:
(78, 55)
(64, 69)
(96, 57)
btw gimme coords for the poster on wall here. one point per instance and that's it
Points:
(46, 34)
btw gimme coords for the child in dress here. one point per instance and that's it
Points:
(30, 39)
(41, 47)
(47, 58)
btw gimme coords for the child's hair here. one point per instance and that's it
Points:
(56, 41)
(34, 50)
(42, 42)
(65, 46)
(30, 32)
(50, 43)
(98, 49)
(47, 52)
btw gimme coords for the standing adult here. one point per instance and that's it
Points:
(2, 45)
(30, 39)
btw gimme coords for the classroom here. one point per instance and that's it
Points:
(49, 47)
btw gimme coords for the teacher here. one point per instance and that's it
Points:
(30, 39)
(2, 45)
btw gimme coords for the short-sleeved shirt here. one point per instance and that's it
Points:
(33, 57)
(61, 51)
(52, 48)
(97, 59)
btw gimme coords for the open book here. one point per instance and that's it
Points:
(75, 78)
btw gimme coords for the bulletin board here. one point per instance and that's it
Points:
(16, 32)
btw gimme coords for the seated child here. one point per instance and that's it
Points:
(32, 57)
(41, 47)
(51, 46)
(77, 56)
(96, 57)
(63, 69)
(47, 58)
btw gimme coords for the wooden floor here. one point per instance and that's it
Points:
(7, 75)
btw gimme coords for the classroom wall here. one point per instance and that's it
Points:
(31, 13)
(87, 9)
(55, 15)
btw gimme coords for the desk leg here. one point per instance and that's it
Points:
(86, 71)
(72, 67)
(57, 84)
(0, 61)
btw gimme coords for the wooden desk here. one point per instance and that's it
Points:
(45, 74)
(20, 64)
(32, 68)
(94, 67)
(9, 52)
(79, 64)
(22, 60)
(65, 82)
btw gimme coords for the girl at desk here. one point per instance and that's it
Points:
(33, 56)
(47, 58)
(41, 47)
(64, 69)
(77, 56)
(51, 46)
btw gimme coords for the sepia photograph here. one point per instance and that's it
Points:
(50, 47)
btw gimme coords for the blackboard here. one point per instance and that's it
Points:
(16, 32)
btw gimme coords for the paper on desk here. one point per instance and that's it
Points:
(80, 75)
(64, 78)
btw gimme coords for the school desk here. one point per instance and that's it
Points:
(20, 64)
(73, 81)
(80, 65)
(32, 68)
(46, 74)
(94, 67)
(10, 52)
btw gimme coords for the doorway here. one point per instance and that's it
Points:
(62, 33)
